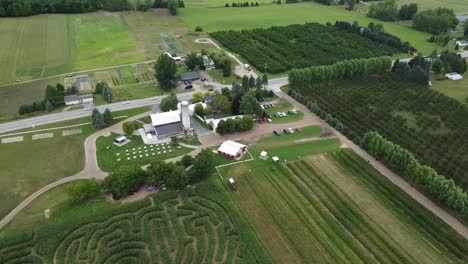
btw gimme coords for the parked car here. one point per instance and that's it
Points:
(261, 106)
(269, 120)
(211, 89)
(269, 116)
(188, 87)
(276, 132)
(286, 131)
(298, 129)
(290, 130)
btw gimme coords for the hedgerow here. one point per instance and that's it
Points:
(299, 46)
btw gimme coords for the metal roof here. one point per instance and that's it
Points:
(189, 76)
(231, 147)
(169, 129)
(165, 118)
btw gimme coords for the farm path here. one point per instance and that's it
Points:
(239, 70)
(393, 177)
(91, 169)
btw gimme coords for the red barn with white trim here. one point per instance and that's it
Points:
(232, 150)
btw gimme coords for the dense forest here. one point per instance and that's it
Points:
(299, 46)
(16, 8)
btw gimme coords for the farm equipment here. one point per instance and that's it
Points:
(232, 183)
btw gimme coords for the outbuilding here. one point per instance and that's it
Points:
(462, 43)
(232, 149)
(189, 76)
(74, 99)
(120, 139)
(454, 76)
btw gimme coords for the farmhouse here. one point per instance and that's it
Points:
(462, 18)
(74, 99)
(189, 76)
(462, 43)
(208, 63)
(232, 149)
(170, 123)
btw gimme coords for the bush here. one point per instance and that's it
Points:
(198, 29)
(435, 21)
(82, 190)
(187, 160)
(128, 127)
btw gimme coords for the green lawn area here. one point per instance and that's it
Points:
(217, 74)
(459, 6)
(76, 107)
(194, 141)
(214, 19)
(31, 164)
(139, 153)
(306, 132)
(131, 92)
(283, 107)
(127, 75)
(103, 41)
(458, 90)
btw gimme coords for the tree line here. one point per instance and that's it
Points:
(233, 125)
(341, 70)
(388, 11)
(53, 97)
(417, 69)
(16, 8)
(242, 4)
(435, 21)
(376, 33)
(439, 188)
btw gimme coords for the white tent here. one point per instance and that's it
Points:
(454, 76)
(232, 149)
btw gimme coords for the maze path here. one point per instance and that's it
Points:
(179, 229)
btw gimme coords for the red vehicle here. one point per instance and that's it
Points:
(210, 90)
(298, 129)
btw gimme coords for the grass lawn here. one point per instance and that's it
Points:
(217, 74)
(285, 89)
(458, 90)
(459, 6)
(103, 41)
(284, 107)
(130, 92)
(139, 153)
(194, 141)
(214, 19)
(76, 107)
(306, 132)
(47, 160)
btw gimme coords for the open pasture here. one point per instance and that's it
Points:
(426, 122)
(459, 6)
(325, 209)
(213, 19)
(197, 225)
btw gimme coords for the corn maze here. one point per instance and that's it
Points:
(168, 228)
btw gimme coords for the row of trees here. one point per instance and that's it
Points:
(235, 125)
(103, 89)
(100, 120)
(53, 97)
(128, 179)
(439, 188)
(414, 73)
(16, 8)
(278, 49)
(376, 33)
(340, 70)
(387, 10)
(244, 4)
(435, 21)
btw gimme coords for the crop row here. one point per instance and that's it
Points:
(427, 123)
(299, 46)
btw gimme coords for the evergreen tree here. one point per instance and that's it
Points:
(51, 94)
(49, 106)
(107, 117)
(107, 94)
(97, 120)
(252, 82)
(172, 5)
(166, 71)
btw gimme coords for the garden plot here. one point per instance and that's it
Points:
(82, 82)
(173, 45)
(110, 77)
(42, 136)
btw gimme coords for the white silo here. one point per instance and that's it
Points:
(185, 114)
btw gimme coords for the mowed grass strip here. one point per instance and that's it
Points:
(433, 230)
(371, 236)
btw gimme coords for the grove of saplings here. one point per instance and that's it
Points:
(357, 98)
(310, 44)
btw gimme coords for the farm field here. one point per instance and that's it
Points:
(216, 19)
(55, 158)
(459, 6)
(432, 129)
(110, 156)
(198, 224)
(335, 208)
(283, 48)
(457, 90)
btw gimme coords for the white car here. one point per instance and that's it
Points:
(126, 102)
